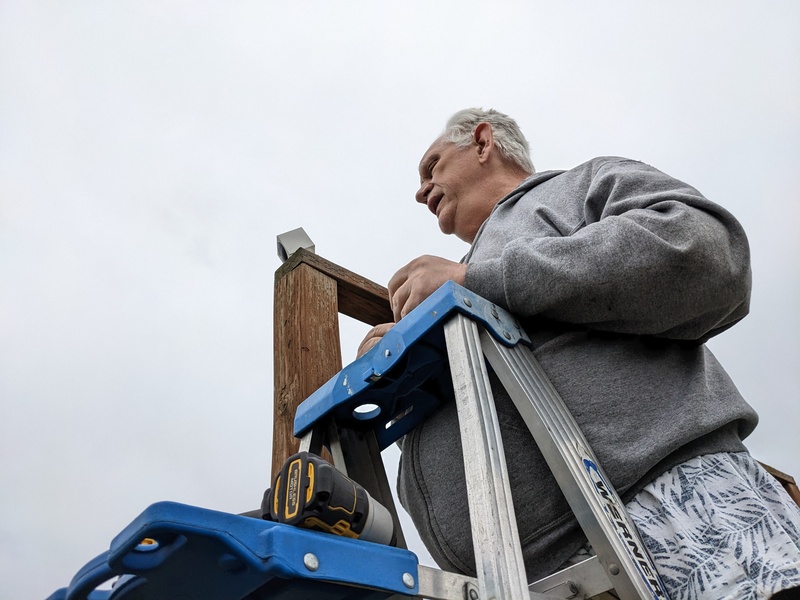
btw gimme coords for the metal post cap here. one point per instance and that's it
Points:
(291, 241)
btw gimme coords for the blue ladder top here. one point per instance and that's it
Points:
(405, 376)
(176, 551)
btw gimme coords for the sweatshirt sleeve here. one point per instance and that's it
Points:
(652, 256)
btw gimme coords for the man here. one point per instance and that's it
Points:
(619, 274)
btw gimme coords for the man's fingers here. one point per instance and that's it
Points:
(366, 346)
(373, 336)
(411, 302)
(406, 299)
(419, 279)
(380, 330)
(396, 298)
(399, 300)
(397, 280)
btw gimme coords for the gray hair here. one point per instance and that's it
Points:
(507, 134)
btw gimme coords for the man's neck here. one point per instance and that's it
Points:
(506, 183)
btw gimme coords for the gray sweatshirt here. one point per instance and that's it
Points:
(619, 274)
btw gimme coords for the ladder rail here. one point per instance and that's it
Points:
(593, 500)
(496, 542)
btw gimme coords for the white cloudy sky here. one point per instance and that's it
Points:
(151, 151)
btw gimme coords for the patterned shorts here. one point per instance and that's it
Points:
(720, 527)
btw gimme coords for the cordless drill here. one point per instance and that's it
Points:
(310, 492)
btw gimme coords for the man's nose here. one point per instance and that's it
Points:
(422, 193)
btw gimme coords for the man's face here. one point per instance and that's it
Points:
(449, 186)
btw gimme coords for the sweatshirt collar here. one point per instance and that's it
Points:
(527, 184)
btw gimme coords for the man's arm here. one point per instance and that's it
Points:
(653, 256)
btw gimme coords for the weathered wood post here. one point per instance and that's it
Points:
(310, 292)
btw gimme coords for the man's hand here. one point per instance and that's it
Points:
(373, 336)
(410, 286)
(419, 279)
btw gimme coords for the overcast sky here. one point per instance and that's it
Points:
(151, 151)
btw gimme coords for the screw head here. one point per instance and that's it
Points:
(506, 335)
(311, 562)
(613, 568)
(408, 580)
(468, 302)
(494, 313)
(147, 545)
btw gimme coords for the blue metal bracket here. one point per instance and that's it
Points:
(405, 376)
(174, 551)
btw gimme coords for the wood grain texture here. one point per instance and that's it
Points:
(306, 348)
(358, 297)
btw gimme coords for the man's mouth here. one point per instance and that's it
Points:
(433, 202)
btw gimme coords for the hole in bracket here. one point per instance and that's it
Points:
(367, 411)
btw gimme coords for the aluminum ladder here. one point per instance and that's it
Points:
(174, 550)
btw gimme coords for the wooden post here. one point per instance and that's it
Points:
(309, 294)
(787, 481)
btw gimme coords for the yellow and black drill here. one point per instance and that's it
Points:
(310, 492)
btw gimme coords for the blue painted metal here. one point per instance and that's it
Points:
(201, 554)
(404, 377)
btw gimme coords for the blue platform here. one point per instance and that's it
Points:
(201, 554)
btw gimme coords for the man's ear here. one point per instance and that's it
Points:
(484, 139)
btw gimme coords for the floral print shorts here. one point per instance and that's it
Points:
(720, 527)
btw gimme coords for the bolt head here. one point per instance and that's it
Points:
(311, 562)
(408, 580)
